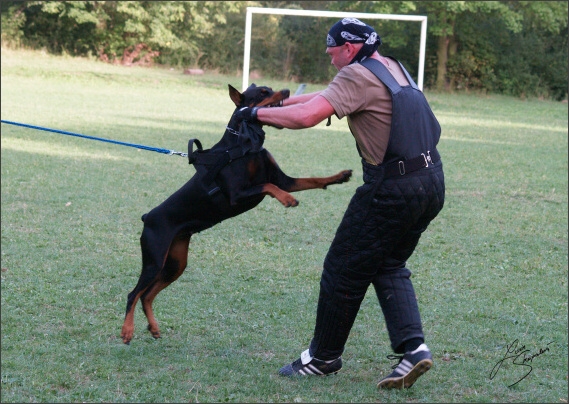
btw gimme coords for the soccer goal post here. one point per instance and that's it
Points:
(337, 14)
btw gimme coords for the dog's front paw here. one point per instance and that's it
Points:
(283, 197)
(290, 202)
(345, 176)
(340, 178)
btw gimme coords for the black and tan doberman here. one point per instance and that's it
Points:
(231, 178)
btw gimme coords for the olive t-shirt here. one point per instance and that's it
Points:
(358, 94)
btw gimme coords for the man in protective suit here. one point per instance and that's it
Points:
(396, 136)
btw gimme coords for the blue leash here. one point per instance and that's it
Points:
(138, 146)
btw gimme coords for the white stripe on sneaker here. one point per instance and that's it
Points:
(315, 370)
(309, 370)
(404, 367)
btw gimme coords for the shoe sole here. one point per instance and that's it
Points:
(332, 373)
(406, 381)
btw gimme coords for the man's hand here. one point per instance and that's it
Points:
(247, 114)
(250, 115)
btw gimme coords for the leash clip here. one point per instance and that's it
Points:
(402, 167)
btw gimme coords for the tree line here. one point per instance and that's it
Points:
(514, 48)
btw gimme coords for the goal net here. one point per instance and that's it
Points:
(336, 14)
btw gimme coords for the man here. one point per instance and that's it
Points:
(396, 135)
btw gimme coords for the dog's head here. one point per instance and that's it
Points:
(257, 96)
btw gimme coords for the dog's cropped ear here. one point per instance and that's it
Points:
(235, 96)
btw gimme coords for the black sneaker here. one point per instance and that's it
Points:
(407, 371)
(308, 365)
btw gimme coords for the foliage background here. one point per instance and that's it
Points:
(514, 48)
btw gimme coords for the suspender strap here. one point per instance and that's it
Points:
(411, 81)
(381, 72)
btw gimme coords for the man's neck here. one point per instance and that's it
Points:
(380, 58)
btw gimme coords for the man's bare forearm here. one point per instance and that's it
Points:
(300, 99)
(297, 115)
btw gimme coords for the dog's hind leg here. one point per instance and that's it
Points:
(174, 266)
(154, 255)
(128, 326)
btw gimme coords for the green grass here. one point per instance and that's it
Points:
(492, 268)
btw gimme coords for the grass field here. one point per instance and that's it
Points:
(490, 273)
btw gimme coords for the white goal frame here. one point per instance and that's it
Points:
(338, 14)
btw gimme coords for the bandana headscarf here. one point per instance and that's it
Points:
(353, 30)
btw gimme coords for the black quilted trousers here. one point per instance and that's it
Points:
(378, 233)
